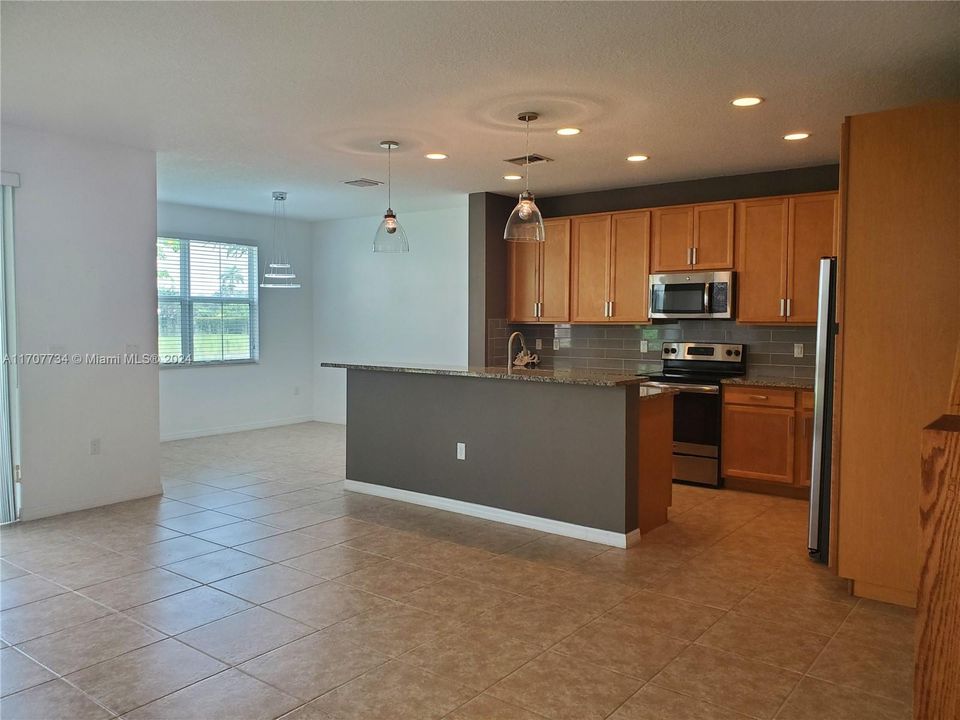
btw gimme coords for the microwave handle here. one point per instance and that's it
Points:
(707, 292)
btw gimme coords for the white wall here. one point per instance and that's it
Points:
(217, 399)
(388, 308)
(84, 228)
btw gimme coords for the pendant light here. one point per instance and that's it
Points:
(525, 223)
(390, 237)
(279, 273)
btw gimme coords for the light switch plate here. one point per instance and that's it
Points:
(461, 451)
(556, 343)
(798, 350)
(539, 344)
(644, 346)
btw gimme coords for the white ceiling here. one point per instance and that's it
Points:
(239, 99)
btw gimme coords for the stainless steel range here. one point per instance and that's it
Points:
(696, 369)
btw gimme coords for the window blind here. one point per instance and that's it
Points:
(207, 301)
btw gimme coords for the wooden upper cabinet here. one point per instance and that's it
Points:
(589, 268)
(762, 256)
(692, 237)
(555, 271)
(813, 223)
(629, 258)
(713, 237)
(779, 245)
(523, 281)
(672, 239)
(538, 276)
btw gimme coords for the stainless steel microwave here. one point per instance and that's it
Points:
(691, 295)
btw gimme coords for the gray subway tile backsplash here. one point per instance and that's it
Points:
(617, 347)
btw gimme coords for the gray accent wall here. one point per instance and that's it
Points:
(487, 281)
(556, 451)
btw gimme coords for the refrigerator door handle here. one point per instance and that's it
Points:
(824, 326)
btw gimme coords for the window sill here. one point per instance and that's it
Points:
(212, 363)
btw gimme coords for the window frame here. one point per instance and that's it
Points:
(186, 303)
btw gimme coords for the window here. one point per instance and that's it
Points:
(206, 301)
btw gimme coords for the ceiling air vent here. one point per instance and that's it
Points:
(363, 182)
(535, 159)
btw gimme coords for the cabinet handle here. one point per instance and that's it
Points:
(610, 311)
(539, 309)
(759, 397)
(689, 256)
(694, 254)
(782, 312)
(789, 308)
(535, 309)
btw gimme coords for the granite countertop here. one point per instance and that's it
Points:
(774, 382)
(595, 378)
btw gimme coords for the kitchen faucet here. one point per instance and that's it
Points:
(523, 346)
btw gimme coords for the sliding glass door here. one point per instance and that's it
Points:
(8, 379)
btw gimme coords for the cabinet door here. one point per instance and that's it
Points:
(630, 257)
(762, 227)
(590, 263)
(555, 271)
(804, 447)
(672, 239)
(523, 281)
(713, 237)
(758, 443)
(813, 223)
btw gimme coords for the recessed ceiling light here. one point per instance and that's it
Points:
(513, 177)
(796, 136)
(637, 158)
(568, 131)
(436, 156)
(746, 101)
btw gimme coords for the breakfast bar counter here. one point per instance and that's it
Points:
(582, 454)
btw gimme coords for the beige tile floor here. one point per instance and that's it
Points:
(257, 588)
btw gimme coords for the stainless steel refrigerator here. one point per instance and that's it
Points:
(818, 535)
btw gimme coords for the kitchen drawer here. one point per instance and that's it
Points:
(806, 399)
(760, 396)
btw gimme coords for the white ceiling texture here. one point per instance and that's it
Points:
(242, 98)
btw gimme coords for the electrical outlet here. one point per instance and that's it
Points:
(539, 344)
(798, 350)
(556, 343)
(461, 451)
(644, 346)
(95, 446)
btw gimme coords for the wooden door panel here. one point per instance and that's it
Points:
(555, 272)
(811, 237)
(762, 227)
(590, 260)
(630, 258)
(713, 237)
(758, 443)
(523, 282)
(804, 447)
(672, 239)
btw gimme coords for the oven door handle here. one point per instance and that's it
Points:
(683, 387)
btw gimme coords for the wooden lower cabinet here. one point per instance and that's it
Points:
(767, 439)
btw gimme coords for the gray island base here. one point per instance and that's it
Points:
(581, 454)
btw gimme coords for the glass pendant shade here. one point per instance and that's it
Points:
(390, 237)
(525, 223)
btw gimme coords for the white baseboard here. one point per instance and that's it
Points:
(226, 429)
(556, 527)
(87, 503)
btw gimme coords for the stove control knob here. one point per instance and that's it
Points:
(729, 353)
(737, 353)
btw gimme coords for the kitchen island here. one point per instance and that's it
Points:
(579, 453)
